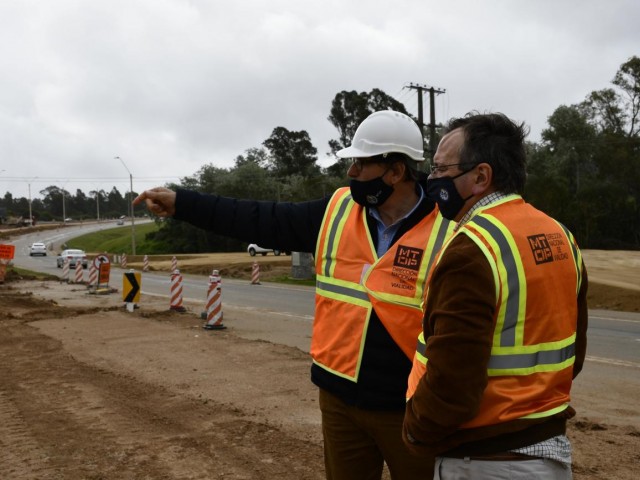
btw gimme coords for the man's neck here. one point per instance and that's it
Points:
(403, 200)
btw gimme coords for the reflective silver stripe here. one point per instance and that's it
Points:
(421, 348)
(508, 333)
(574, 251)
(342, 290)
(335, 222)
(529, 360)
(437, 245)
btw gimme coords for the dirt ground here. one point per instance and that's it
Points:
(90, 391)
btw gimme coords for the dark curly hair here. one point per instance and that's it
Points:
(497, 140)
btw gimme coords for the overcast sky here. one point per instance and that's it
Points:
(171, 85)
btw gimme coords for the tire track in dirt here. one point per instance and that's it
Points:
(20, 455)
(87, 422)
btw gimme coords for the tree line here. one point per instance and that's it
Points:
(585, 171)
(57, 204)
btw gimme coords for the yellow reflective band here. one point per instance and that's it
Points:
(525, 360)
(421, 349)
(342, 290)
(494, 268)
(577, 255)
(440, 233)
(511, 316)
(548, 413)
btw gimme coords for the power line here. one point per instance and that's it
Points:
(432, 108)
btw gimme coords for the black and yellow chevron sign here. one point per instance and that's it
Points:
(131, 287)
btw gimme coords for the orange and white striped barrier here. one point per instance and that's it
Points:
(79, 276)
(65, 271)
(255, 274)
(174, 264)
(93, 275)
(3, 269)
(214, 303)
(145, 264)
(176, 292)
(123, 260)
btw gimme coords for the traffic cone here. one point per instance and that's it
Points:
(176, 292)
(214, 303)
(255, 274)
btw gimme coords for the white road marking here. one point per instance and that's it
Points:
(611, 361)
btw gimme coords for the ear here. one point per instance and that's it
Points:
(397, 171)
(483, 179)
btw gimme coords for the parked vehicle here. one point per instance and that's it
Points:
(253, 249)
(74, 256)
(38, 248)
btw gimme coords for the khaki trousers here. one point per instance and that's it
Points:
(358, 442)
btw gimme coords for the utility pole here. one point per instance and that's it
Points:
(432, 117)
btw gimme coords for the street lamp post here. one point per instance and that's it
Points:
(133, 229)
(64, 210)
(30, 212)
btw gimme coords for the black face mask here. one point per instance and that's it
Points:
(444, 192)
(371, 193)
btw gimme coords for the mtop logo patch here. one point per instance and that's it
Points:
(540, 248)
(408, 257)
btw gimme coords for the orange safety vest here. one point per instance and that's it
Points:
(537, 270)
(351, 281)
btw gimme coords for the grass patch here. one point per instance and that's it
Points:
(114, 240)
(17, 273)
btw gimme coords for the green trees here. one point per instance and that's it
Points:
(586, 173)
(348, 110)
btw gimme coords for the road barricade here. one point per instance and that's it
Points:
(79, 275)
(214, 313)
(176, 292)
(93, 276)
(255, 274)
(65, 271)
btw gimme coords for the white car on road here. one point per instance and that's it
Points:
(253, 249)
(38, 248)
(74, 257)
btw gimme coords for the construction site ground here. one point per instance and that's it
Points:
(91, 391)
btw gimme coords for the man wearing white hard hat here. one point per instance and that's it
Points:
(374, 243)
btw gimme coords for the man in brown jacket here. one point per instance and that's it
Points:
(505, 321)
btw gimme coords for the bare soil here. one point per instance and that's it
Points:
(90, 391)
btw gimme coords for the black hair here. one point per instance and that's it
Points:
(411, 171)
(497, 140)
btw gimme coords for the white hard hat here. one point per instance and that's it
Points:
(385, 131)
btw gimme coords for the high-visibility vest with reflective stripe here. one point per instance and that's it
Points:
(351, 281)
(536, 266)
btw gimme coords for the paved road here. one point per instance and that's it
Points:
(614, 337)
(271, 297)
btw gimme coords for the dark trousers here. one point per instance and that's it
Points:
(358, 442)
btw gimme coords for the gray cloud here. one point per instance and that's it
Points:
(172, 85)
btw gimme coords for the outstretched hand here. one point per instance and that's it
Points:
(159, 200)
